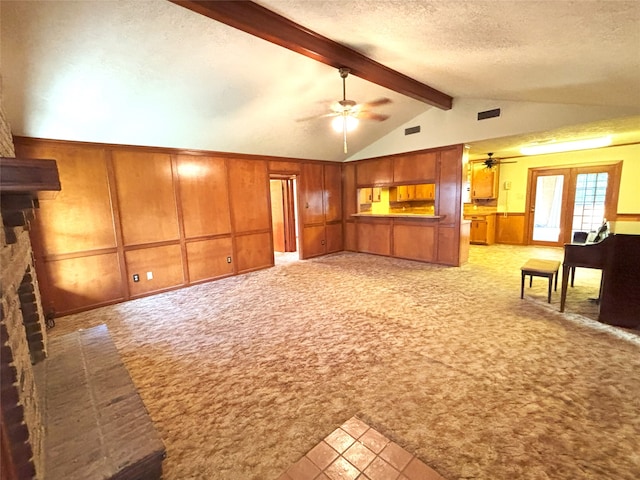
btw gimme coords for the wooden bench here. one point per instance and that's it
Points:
(535, 267)
(95, 424)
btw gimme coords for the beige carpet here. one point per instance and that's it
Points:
(244, 375)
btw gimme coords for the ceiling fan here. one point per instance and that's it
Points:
(490, 161)
(346, 113)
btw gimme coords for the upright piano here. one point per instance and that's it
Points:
(618, 256)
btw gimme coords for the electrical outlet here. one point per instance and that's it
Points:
(149, 275)
(136, 277)
(228, 259)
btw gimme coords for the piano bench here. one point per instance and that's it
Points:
(540, 268)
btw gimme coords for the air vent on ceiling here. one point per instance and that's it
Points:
(489, 114)
(410, 130)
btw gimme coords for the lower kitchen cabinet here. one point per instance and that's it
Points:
(483, 229)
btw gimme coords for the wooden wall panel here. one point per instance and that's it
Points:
(254, 252)
(249, 195)
(79, 217)
(349, 191)
(416, 242)
(333, 192)
(146, 197)
(511, 229)
(449, 200)
(417, 167)
(374, 172)
(278, 166)
(311, 194)
(375, 237)
(333, 238)
(207, 259)
(79, 283)
(449, 205)
(204, 195)
(165, 263)
(465, 237)
(350, 237)
(448, 247)
(313, 241)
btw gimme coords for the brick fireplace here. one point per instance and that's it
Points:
(23, 339)
(68, 408)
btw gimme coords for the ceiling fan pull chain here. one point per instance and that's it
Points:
(344, 130)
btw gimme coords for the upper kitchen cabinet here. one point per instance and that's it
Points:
(484, 181)
(419, 167)
(374, 172)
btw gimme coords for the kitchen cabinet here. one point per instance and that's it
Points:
(369, 195)
(415, 167)
(425, 191)
(374, 172)
(483, 228)
(484, 181)
(402, 193)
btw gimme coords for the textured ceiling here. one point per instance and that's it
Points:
(154, 73)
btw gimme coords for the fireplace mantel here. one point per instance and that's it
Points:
(22, 175)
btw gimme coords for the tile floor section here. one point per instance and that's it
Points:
(355, 451)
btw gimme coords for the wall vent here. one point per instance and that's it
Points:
(489, 114)
(410, 130)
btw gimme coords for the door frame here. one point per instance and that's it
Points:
(614, 168)
(289, 210)
(532, 185)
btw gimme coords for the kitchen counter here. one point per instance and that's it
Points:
(397, 215)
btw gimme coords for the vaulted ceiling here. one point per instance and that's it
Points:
(156, 73)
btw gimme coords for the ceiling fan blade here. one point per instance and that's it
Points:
(377, 103)
(321, 115)
(379, 117)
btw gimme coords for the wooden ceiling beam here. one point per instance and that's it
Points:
(263, 23)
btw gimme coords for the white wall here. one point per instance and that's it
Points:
(513, 200)
(461, 125)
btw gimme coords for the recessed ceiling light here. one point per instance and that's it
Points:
(540, 149)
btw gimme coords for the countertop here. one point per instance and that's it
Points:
(397, 215)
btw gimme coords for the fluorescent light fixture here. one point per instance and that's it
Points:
(337, 123)
(541, 149)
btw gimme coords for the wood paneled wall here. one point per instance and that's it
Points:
(175, 218)
(321, 209)
(444, 240)
(510, 228)
(171, 218)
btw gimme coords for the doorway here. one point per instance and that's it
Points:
(284, 217)
(565, 200)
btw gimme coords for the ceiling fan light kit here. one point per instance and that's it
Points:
(542, 148)
(338, 123)
(347, 113)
